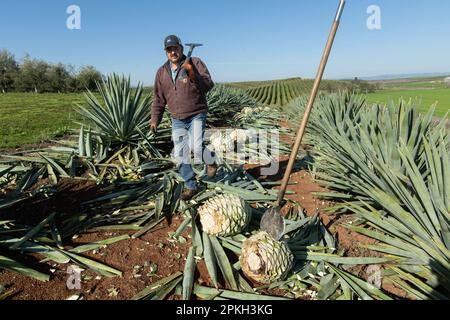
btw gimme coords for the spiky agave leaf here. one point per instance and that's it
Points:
(415, 224)
(224, 102)
(334, 112)
(121, 113)
(267, 118)
(391, 164)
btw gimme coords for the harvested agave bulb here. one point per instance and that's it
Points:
(247, 110)
(224, 215)
(220, 143)
(238, 135)
(264, 259)
(223, 141)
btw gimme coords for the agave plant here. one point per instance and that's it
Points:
(122, 112)
(262, 117)
(414, 223)
(391, 166)
(354, 143)
(334, 111)
(224, 102)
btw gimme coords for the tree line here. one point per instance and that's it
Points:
(34, 75)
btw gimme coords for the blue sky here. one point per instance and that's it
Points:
(244, 40)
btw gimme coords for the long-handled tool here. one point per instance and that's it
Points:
(191, 46)
(272, 221)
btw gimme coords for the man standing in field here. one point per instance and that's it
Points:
(182, 87)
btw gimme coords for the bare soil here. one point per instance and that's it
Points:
(136, 258)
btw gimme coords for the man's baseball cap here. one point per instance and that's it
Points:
(172, 41)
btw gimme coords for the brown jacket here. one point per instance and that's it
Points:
(183, 98)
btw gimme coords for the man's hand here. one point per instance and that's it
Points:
(190, 70)
(153, 128)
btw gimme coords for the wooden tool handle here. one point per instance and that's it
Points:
(312, 98)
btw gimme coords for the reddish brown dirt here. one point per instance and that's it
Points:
(126, 256)
(70, 194)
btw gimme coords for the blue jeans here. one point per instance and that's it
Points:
(187, 137)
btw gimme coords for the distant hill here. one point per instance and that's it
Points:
(405, 76)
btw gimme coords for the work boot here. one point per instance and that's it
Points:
(211, 170)
(187, 194)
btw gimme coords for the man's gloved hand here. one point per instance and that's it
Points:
(153, 128)
(190, 70)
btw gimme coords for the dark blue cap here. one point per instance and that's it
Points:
(172, 41)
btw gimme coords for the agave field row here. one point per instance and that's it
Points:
(281, 92)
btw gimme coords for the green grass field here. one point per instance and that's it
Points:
(426, 97)
(409, 84)
(27, 118)
(421, 85)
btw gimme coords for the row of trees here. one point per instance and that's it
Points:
(33, 75)
(361, 86)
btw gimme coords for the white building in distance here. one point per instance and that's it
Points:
(447, 81)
